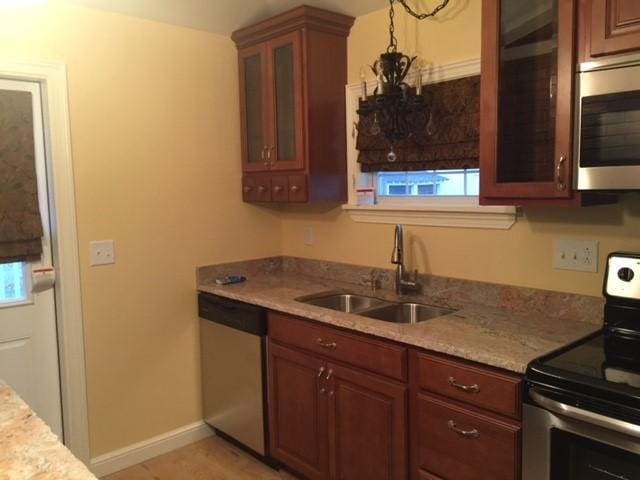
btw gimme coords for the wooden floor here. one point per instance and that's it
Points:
(208, 459)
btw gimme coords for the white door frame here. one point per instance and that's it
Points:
(64, 243)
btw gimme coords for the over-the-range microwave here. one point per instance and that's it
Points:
(607, 124)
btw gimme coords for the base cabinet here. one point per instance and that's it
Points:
(332, 421)
(333, 417)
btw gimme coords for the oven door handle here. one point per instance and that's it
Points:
(584, 415)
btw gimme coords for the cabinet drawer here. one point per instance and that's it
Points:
(457, 444)
(376, 356)
(484, 388)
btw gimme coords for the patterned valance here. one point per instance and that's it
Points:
(20, 223)
(449, 141)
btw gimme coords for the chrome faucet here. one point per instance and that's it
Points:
(397, 258)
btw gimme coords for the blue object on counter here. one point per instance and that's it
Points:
(229, 279)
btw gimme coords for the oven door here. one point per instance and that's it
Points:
(558, 447)
(607, 131)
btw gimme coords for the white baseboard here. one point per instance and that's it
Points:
(139, 452)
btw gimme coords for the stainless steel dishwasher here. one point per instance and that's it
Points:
(232, 342)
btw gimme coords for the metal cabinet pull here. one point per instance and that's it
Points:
(246, 189)
(263, 153)
(324, 344)
(262, 189)
(329, 373)
(475, 388)
(295, 188)
(269, 154)
(320, 372)
(560, 181)
(465, 433)
(278, 188)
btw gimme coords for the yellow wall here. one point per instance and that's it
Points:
(155, 127)
(521, 256)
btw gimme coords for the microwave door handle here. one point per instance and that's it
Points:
(584, 415)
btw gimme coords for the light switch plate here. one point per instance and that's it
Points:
(308, 235)
(578, 255)
(101, 252)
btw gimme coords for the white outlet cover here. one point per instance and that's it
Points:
(577, 255)
(102, 252)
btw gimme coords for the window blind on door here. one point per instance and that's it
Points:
(20, 222)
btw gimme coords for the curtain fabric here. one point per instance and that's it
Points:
(449, 141)
(20, 222)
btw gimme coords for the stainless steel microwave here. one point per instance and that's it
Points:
(607, 126)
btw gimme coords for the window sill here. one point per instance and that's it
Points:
(462, 216)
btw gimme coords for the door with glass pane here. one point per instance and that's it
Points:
(254, 108)
(527, 99)
(286, 149)
(28, 337)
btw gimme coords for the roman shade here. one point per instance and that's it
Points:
(20, 222)
(449, 141)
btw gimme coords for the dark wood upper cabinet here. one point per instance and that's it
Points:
(608, 27)
(292, 73)
(526, 101)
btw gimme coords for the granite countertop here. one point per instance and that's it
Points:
(28, 447)
(498, 337)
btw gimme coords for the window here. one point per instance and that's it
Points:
(429, 183)
(445, 198)
(13, 287)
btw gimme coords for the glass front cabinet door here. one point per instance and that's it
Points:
(527, 100)
(271, 105)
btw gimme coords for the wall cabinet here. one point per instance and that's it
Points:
(292, 73)
(329, 420)
(608, 27)
(527, 101)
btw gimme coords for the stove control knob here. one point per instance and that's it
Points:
(625, 274)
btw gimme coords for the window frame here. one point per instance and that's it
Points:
(445, 211)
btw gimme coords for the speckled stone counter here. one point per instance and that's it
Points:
(500, 326)
(28, 447)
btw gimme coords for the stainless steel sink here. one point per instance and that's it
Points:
(406, 312)
(343, 302)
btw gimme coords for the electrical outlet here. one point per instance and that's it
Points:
(102, 252)
(579, 255)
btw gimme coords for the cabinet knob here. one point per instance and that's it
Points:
(278, 188)
(246, 189)
(295, 188)
(262, 189)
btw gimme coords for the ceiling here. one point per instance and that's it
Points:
(223, 16)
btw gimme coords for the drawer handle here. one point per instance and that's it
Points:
(324, 344)
(329, 373)
(465, 388)
(278, 188)
(465, 433)
(320, 372)
(295, 188)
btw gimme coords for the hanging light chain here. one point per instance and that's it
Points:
(422, 16)
(393, 41)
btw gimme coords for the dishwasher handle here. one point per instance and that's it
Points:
(237, 315)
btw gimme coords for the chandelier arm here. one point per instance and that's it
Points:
(422, 16)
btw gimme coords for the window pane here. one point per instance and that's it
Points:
(12, 283)
(430, 183)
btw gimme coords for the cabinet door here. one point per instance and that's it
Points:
(286, 147)
(298, 411)
(254, 107)
(526, 99)
(614, 26)
(367, 425)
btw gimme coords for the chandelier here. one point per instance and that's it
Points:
(395, 109)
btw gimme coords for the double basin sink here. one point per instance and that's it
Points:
(371, 307)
